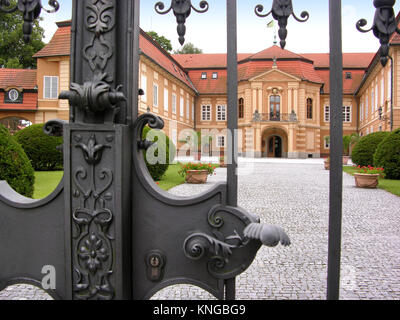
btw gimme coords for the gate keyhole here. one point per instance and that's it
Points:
(155, 265)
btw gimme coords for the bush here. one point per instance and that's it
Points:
(363, 152)
(15, 167)
(157, 170)
(40, 148)
(387, 155)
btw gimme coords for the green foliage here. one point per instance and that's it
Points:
(40, 148)
(363, 152)
(14, 52)
(152, 156)
(188, 48)
(387, 155)
(15, 167)
(161, 40)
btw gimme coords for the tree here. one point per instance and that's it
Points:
(188, 48)
(161, 40)
(14, 52)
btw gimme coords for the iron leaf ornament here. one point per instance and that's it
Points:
(281, 11)
(30, 10)
(383, 27)
(182, 10)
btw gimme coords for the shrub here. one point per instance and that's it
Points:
(387, 155)
(363, 152)
(166, 147)
(15, 167)
(40, 148)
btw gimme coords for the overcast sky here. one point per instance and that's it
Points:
(208, 30)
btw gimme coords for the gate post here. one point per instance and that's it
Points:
(97, 151)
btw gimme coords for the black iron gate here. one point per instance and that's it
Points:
(109, 232)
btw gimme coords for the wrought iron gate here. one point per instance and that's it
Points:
(107, 229)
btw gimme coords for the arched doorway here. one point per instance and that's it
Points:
(14, 124)
(274, 147)
(274, 143)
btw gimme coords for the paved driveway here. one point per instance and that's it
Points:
(294, 194)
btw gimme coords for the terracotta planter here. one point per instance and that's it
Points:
(366, 180)
(327, 165)
(196, 176)
(345, 160)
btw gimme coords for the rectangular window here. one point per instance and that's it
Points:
(221, 113)
(174, 103)
(206, 113)
(347, 114)
(221, 141)
(50, 90)
(327, 143)
(182, 107)
(376, 98)
(204, 75)
(187, 109)
(362, 112)
(193, 111)
(372, 101)
(366, 108)
(143, 85)
(327, 117)
(372, 129)
(382, 90)
(155, 95)
(166, 106)
(215, 75)
(389, 89)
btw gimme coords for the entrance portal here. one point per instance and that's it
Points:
(274, 147)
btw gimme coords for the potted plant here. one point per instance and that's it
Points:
(368, 177)
(327, 163)
(196, 173)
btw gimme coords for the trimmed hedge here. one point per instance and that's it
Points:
(166, 146)
(387, 155)
(15, 167)
(363, 152)
(40, 148)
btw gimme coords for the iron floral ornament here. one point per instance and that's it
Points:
(384, 26)
(30, 10)
(182, 10)
(281, 11)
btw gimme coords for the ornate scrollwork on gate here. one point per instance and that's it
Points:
(30, 10)
(281, 11)
(92, 240)
(182, 10)
(383, 27)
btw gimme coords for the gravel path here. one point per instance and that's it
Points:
(294, 195)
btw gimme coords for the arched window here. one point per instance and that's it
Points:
(241, 108)
(275, 107)
(14, 124)
(309, 108)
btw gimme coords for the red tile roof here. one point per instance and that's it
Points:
(153, 51)
(60, 44)
(350, 60)
(29, 102)
(209, 85)
(205, 60)
(21, 78)
(350, 86)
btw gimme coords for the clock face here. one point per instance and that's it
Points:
(13, 95)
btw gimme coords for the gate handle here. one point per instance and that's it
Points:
(268, 235)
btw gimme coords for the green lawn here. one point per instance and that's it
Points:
(46, 182)
(392, 186)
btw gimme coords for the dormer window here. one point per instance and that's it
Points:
(348, 75)
(13, 96)
(215, 75)
(204, 75)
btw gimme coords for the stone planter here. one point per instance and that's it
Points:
(366, 180)
(196, 176)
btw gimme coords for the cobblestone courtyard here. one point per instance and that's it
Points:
(294, 195)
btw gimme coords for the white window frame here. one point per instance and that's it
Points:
(192, 111)
(187, 109)
(221, 113)
(347, 114)
(174, 103)
(182, 107)
(51, 96)
(389, 89)
(382, 90)
(155, 94)
(372, 101)
(206, 114)
(221, 141)
(166, 98)
(366, 108)
(215, 75)
(376, 97)
(362, 111)
(327, 114)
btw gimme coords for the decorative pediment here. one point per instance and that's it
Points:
(275, 75)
